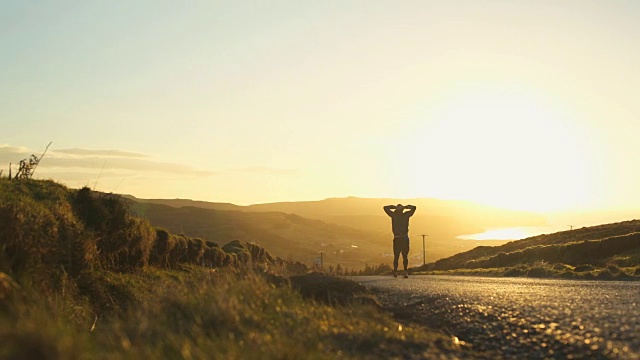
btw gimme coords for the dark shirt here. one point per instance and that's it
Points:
(400, 221)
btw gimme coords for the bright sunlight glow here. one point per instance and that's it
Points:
(501, 147)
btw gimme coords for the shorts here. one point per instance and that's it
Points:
(401, 246)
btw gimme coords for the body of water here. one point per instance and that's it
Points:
(514, 233)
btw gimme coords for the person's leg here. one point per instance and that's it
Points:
(395, 264)
(396, 256)
(405, 262)
(405, 256)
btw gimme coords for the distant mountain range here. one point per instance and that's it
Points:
(349, 231)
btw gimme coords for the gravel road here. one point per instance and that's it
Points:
(521, 318)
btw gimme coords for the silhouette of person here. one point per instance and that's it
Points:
(400, 227)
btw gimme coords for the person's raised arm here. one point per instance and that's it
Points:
(388, 208)
(412, 209)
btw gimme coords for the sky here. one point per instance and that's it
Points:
(528, 105)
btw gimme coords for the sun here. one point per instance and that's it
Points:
(504, 148)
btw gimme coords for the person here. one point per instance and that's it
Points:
(400, 227)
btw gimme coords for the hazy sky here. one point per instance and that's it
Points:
(524, 104)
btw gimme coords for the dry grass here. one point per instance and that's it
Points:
(82, 278)
(545, 270)
(202, 314)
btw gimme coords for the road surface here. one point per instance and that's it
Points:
(521, 318)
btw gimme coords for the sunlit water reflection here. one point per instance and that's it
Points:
(514, 233)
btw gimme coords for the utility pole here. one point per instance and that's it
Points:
(424, 254)
(321, 261)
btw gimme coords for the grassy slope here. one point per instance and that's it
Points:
(79, 279)
(197, 314)
(610, 251)
(332, 226)
(285, 235)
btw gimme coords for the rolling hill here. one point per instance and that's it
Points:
(286, 235)
(350, 231)
(609, 246)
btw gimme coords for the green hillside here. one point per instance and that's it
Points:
(604, 251)
(83, 278)
(50, 231)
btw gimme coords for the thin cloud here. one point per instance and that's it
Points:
(7, 150)
(101, 153)
(88, 160)
(127, 164)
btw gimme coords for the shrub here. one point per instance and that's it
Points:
(213, 257)
(38, 231)
(101, 213)
(605, 275)
(239, 251)
(161, 250)
(169, 250)
(195, 250)
(537, 272)
(584, 268)
(140, 237)
(124, 242)
(295, 267)
(614, 269)
(230, 260)
(178, 253)
(515, 272)
(259, 254)
(561, 267)
(129, 247)
(211, 244)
